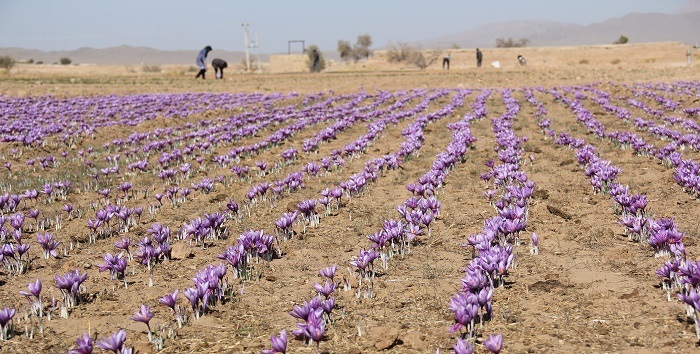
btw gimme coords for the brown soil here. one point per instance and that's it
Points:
(588, 291)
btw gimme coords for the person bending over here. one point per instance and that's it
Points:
(219, 65)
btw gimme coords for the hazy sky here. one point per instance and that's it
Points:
(192, 24)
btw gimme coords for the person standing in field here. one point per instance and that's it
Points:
(202, 62)
(219, 65)
(479, 57)
(446, 62)
(316, 58)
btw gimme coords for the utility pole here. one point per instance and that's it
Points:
(247, 44)
(257, 52)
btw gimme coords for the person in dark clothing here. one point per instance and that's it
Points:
(521, 60)
(219, 65)
(202, 62)
(479, 57)
(316, 58)
(446, 62)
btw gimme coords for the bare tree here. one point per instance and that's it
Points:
(511, 43)
(357, 52)
(408, 54)
(361, 49)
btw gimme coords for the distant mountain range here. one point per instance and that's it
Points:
(639, 28)
(126, 55)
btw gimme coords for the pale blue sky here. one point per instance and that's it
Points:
(191, 24)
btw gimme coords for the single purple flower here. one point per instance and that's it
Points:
(463, 347)
(34, 289)
(326, 290)
(113, 343)
(169, 300)
(84, 344)
(144, 315)
(495, 343)
(328, 272)
(6, 315)
(279, 344)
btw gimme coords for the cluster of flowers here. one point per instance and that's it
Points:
(29, 121)
(687, 172)
(493, 246)
(663, 235)
(250, 246)
(209, 288)
(125, 218)
(211, 227)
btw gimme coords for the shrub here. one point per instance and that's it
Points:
(400, 53)
(583, 61)
(510, 43)
(621, 40)
(7, 62)
(615, 61)
(30, 61)
(310, 58)
(408, 54)
(345, 50)
(155, 68)
(39, 62)
(65, 61)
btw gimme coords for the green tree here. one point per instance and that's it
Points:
(7, 62)
(65, 61)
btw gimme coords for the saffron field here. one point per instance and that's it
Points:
(531, 218)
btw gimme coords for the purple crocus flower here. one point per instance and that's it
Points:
(84, 344)
(144, 315)
(232, 206)
(328, 272)
(534, 247)
(69, 284)
(34, 289)
(326, 290)
(48, 244)
(463, 347)
(113, 343)
(279, 344)
(316, 328)
(495, 343)
(6, 315)
(169, 300)
(34, 297)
